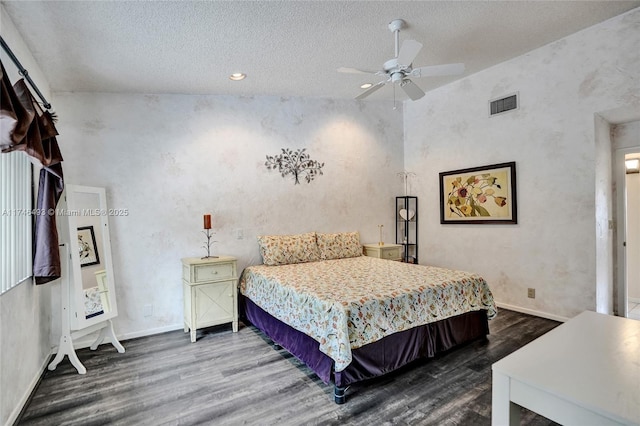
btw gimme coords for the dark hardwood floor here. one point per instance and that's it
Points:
(228, 378)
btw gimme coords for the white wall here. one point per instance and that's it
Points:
(25, 309)
(169, 159)
(626, 135)
(604, 204)
(551, 138)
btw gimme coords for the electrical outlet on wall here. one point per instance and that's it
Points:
(147, 310)
(531, 293)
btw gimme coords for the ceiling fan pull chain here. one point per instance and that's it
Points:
(394, 97)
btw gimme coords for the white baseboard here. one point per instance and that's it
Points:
(151, 331)
(87, 341)
(23, 401)
(633, 299)
(531, 312)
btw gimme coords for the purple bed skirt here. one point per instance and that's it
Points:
(374, 359)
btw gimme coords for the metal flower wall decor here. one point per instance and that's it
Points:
(296, 164)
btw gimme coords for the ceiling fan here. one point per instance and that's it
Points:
(400, 68)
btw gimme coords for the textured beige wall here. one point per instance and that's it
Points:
(551, 138)
(169, 159)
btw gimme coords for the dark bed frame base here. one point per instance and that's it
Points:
(374, 359)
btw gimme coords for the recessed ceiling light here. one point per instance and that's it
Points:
(237, 76)
(366, 85)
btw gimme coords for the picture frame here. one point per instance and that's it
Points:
(479, 195)
(87, 248)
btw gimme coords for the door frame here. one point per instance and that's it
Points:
(621, 227)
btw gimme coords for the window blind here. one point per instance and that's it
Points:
(16, 218)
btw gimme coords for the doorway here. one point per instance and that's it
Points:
(631, 243)
(617, 133)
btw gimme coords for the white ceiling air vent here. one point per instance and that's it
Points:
(507, 103)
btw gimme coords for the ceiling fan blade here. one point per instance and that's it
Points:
(436, 70)
(354, 71)
(411, 89)
(408, 52)
(370, 90)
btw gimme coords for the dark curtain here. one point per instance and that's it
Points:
(46, 261)
(24, 126)
(14, 119)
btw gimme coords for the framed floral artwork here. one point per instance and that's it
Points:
(87, 246)
(479, 195)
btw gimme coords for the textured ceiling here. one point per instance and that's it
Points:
(286, 48)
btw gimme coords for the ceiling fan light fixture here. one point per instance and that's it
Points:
(237, 76)
(398, 69)
(397, 77)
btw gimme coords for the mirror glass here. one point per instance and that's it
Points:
(92, 292)
(89, 249)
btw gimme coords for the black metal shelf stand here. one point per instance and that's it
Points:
(407, 227)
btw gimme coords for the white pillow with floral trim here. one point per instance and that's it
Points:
(287, 249)
(339, 245)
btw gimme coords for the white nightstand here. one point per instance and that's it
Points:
(387, 251)
(210, 288)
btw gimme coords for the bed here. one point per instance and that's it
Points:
(351, 317)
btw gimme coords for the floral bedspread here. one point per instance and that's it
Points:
(347, 303)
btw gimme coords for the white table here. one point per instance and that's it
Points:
(584, 372)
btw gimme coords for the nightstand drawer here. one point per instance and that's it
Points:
(388, 252)
(393, 253)
(203, 273)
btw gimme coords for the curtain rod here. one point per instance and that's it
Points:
(23, 72)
